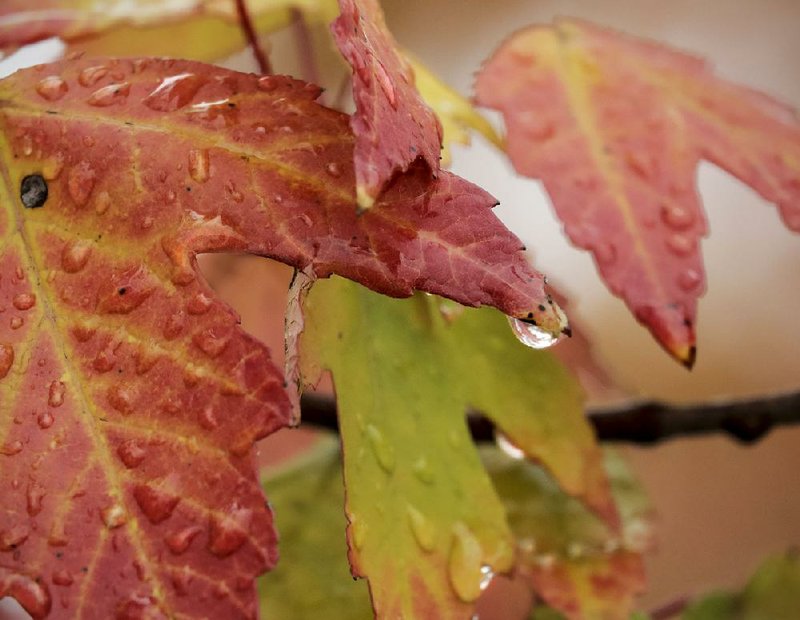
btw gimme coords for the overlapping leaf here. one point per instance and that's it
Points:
(571, 559)
(315, 583)
(197, 29)
(129, 397)
(772, 593)
(425, 526)
(392, 124)
(615, 128)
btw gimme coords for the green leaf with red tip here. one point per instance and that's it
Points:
(129, 396)
(572, 560)
(314, 582)
(425, 525)
(392, 124)
(773, 593)
(615, 127)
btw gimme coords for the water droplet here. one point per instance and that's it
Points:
(102, 202)
(689, 280)
(92, 75)
(11, 448)
(16, 322)
(113, 516)
(531, 335)
(229, 531)
(75, 256)
(382, 449)
(606, 253)
(56, 394)
(267, 83)
(157, 505)
(199, 168)
(178, 542)
(13, 537)
(464, 564)
(131, 453)
(421, 527)
(33, 595)
(334, 169)
(422, 470)
(677, 216)
(109, 95)
(575, 550)
(45, 420)
(507, 447)
(208, 419)
(181, 580)
(27, 145)
(487, 574)
(199, 304)
(62, 577)
(6, 359)
(52, 88)
(34, 496)
(682, 245)
(359, 533)
(121, 398)
(385, 82)
(210, 342)
(174, 92)
(24, 301)
(80, 182)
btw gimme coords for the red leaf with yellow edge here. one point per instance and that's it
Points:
(615, 127)
(392, 124)
(129, 397)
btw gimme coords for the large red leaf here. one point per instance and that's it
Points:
(615, 127)
(129, 397)
(392, 124)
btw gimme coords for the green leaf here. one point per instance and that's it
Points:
(773, 593)
(571, 558)
(312, 580)
(425, 525)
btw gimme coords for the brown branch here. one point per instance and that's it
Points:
(304, 47)
(640, 422)
(246, 24)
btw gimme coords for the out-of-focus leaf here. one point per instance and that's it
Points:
(312, 581)
(573, 561)
(456, 114)
(194, 29)
(773, 593)
(615, 127)
(425, 526)
(129, 396)
(392, 124)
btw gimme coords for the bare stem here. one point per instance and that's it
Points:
(304, 46)
(246, 23)
(640, 422)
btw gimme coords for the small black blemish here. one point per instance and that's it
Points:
(122, 290)
(542, 308)
(530, 314)
(33, 191)
(129, 124)
(84, 569)
(51, 111)
(231, 104)
(59, 555)
(188, 189)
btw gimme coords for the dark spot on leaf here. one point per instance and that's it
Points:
(33, 191)
(541, 307)
(122, 290)
(530, 314)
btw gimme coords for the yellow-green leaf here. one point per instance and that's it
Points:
(456, 114)
(425, 526)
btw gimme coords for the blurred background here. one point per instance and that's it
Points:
(721, 507)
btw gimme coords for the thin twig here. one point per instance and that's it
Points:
(304, 47)
(641, 422)
(246, 24)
